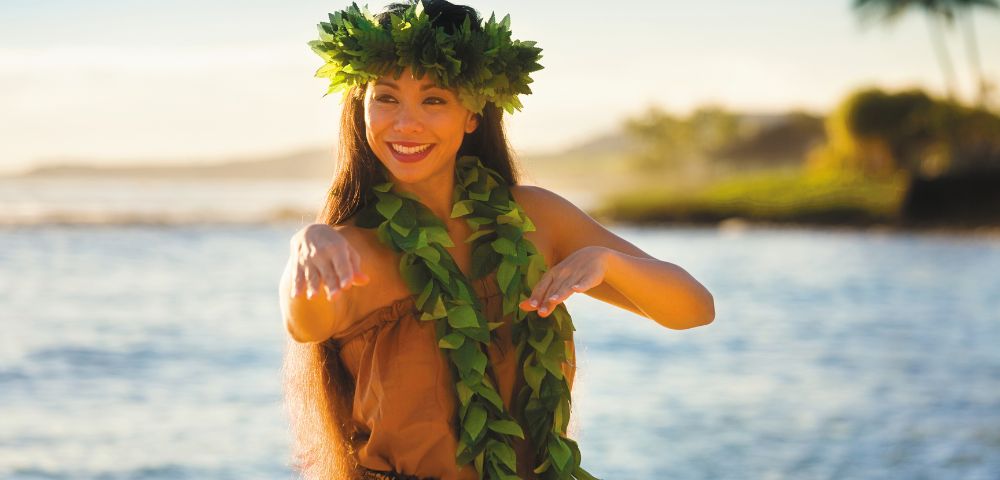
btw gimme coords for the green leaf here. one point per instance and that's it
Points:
(482, 455)
(484, 260)
(472, 237)
(505, 274)
(536, 267)
(414, 276)
(477, 222)
(383, 234)
(510, 217)
(551, 364)
(465, 356)
(507, 427)
(439, 235)
(430, 253)
(481, 196)
(388, 206)
(438, 271)
(404, 231)
(462, 208)
(478, 363)
(462, 316)
(476, 333)
(438, 311)
(528, 226)
(475, 420)
(561, 417)
(533, 375)
(559, 452)
(541, 343)
(425, 295)
(421, 239)
(544, 466)
(506, 455)
(504, 246)
(464, 392)
(490, 394)
(452, 340)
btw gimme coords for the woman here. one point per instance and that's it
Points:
(370, 369)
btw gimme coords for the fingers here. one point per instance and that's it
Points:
(549, 293)
(298, 280)
(329, 276)
(335, 275)
(312, 280)
(359, 278)
(344, 267)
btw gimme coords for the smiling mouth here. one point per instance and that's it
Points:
(409, 150)
(410, 153)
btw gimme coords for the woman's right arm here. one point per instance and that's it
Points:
(321, 265)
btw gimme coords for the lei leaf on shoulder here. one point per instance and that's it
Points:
(541, 409)
(482, 66)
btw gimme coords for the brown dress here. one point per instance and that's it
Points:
(404, 406)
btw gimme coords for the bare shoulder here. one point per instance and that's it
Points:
(567, 227)
(379, 263)
(541, 201)
(550, 213)
(546, 208)
(362, 239)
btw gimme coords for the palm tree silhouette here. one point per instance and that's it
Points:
(939, 14)
(965, 9)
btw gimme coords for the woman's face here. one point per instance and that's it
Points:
(415, 127)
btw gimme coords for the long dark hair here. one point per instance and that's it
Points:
(318, 389)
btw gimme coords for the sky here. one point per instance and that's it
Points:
(120, 82)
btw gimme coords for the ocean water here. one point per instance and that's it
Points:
(153, 352)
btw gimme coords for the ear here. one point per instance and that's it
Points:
(472, 123)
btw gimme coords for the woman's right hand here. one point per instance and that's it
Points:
(322, 255)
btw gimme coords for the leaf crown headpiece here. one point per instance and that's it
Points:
(481, 64)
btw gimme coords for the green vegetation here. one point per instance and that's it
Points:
(854, 167)
(878, 133)
(785, 195)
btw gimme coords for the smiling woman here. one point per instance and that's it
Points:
(457, 360)
(419, 125)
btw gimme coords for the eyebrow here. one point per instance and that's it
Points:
(390, 83)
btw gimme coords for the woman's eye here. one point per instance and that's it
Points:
(385, 99)
(436, 101)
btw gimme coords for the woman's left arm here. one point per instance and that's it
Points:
(589, 258)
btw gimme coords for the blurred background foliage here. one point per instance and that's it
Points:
(858, 164)
(873, 159)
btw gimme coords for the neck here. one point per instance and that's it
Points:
(434, 192)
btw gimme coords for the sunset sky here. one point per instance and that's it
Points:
(115, 81)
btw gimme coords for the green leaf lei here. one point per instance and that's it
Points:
(483, 66)
(446, 297)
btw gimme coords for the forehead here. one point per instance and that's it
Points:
(407, 81)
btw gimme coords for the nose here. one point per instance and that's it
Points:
(408, 120)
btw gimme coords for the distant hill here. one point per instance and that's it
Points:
(309, 163)
(776, 139)
(779, 138)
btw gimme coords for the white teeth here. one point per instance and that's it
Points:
(410, 150)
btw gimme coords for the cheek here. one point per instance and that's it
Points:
(374, 119)
(451, 126)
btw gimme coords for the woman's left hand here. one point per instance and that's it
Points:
(580, 271)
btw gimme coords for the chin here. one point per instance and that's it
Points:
(416, 172)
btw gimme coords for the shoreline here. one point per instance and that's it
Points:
(738, 224)
(290, 217)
